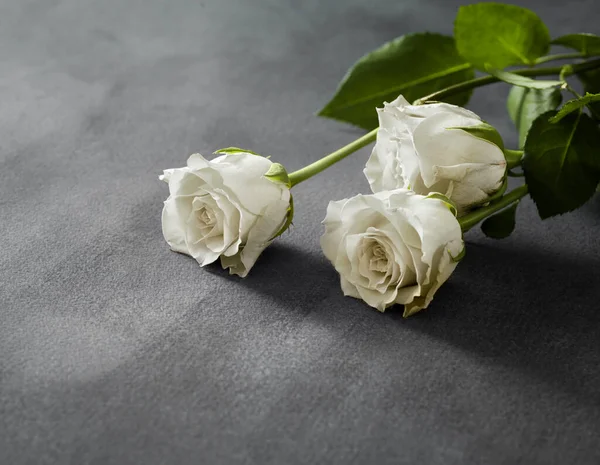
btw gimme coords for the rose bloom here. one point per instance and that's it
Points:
(393, 247)
(225, 208)
(425, 149)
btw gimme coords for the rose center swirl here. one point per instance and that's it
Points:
(379, 260)
(205, 216)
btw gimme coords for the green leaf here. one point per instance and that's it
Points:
(525, 105)
(561, 163)
(484, 131)
(591, 84)
(588, 44)
(414, 65)
(288, 219)
(522, 81)
(228, 150)
(575, 105)
(278, 173)
(501, 224)
(500, 35)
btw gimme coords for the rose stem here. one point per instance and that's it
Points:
(325, 162)
(471, 219)
(485, 80)
(315, 168)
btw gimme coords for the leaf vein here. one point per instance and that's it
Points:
(514, 51)
(430, 77)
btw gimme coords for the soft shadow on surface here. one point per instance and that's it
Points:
(526, 309)
(288, 274)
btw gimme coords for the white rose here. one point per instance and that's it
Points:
(420, 148)
(225, 208)
(393, 247)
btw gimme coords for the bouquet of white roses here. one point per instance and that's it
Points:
(436, 169)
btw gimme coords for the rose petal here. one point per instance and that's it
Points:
(266, 225)
(173, 228)
(412, 237)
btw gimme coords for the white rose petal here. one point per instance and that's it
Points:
(224, 208)
(417, 149)
(392, 247)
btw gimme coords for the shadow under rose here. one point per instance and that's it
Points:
(530, 310)
(525, 309)
(289, 274)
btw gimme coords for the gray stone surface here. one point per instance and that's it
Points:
(114, 350)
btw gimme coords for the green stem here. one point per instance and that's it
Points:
(568, 87)
(565, 72)
(314, 168)
(559, 56)
(485, 80)
(473, 218)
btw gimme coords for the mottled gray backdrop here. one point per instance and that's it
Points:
(114, 350)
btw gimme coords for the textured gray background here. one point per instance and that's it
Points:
(114, 350)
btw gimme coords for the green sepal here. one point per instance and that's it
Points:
(458, 257)
(502, 224)
(484, 131)
(500, 192)
(575, 105)
(228, 150)
(513, 158)
(277, 173)
(447, 202)
(288, 219)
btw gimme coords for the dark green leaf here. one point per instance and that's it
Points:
(561, 163)
(501, 224)
(413, 65)
(484, 131)
(522, 81)
(575, 105)
(525, 105)
(500, 35)
(236, 150)
(588, 44)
